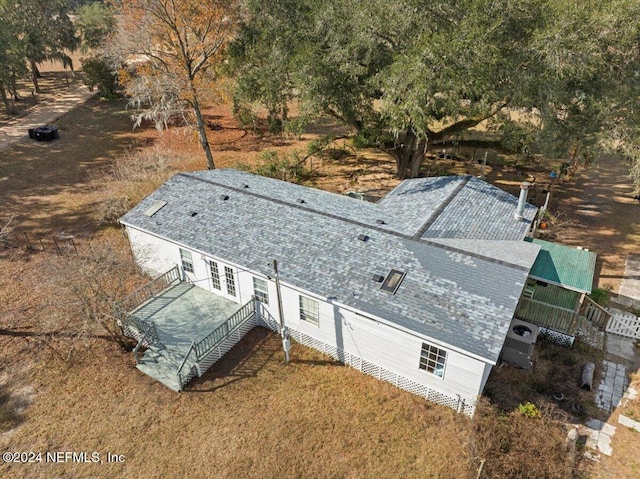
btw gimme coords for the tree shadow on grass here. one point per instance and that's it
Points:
(12, 407)
(44, 182)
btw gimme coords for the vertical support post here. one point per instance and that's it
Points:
(484, 162)
(576, 313)
(155, 331)
(57, 248)
(286, 342)
(181, 274)
(279, 295)
(28, 242)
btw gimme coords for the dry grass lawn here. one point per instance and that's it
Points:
(250, 416)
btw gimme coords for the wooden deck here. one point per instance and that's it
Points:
(563, 311)
(181, 328)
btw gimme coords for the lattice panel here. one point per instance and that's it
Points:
(443, 399)
(595, 342)
(372, 369)
(556, 337)
(193, 372)
(389, 376)
(224, 348)
(332, 351)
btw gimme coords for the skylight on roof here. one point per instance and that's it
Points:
(154, 208)
(392, 281)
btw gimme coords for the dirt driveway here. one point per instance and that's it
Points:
(597, 211)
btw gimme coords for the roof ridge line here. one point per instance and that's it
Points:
(434, 216)
(412, 238)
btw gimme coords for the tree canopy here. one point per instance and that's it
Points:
(170, 50)
(407, 73)
(32, 32)
(95, 23)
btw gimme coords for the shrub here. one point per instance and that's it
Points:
(288, 168)
(529, 410)
(507, 441)
(602, 295)
(97, 74)
(10, 410)
(134, 175)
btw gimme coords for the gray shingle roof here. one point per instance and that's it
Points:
(461, 207)
(461, 298)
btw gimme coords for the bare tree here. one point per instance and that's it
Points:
(86, 289)
(171, 50)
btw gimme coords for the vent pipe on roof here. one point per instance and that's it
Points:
(522, 201)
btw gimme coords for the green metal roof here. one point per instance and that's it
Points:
(565, 266)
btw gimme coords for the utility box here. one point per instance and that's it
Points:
(520, 343)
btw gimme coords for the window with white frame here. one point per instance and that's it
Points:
(215, 275)
(187, 262)
(433, 359)
(309, 310)
(230, 279)
(260, 290)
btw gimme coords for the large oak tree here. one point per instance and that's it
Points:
(406, 73)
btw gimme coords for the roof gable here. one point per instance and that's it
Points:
(566, 266)
(460, 207)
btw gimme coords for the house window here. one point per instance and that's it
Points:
(187, 262)
(215, 275)
(433, 359)
(309, 311)
(260, 290)
(230, 280)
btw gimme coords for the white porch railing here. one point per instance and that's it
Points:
(624, 324)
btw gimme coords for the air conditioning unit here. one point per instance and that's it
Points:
(519, 344)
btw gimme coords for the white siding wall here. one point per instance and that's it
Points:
(366, 338)
(154, 255)
(388, 347)
(485, 376)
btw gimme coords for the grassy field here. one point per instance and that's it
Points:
(251, 415)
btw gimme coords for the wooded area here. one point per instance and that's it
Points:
(551, 77)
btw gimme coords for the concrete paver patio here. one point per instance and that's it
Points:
(630, 285)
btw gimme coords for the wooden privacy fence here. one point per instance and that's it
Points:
(60, 245)
(546, 315)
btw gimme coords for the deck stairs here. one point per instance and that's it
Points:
(171, 358)
(161, 364)
(590, 333)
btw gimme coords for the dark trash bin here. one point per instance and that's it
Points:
(31, 133)
(46, 133)
(42, 133)
(38, 134)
